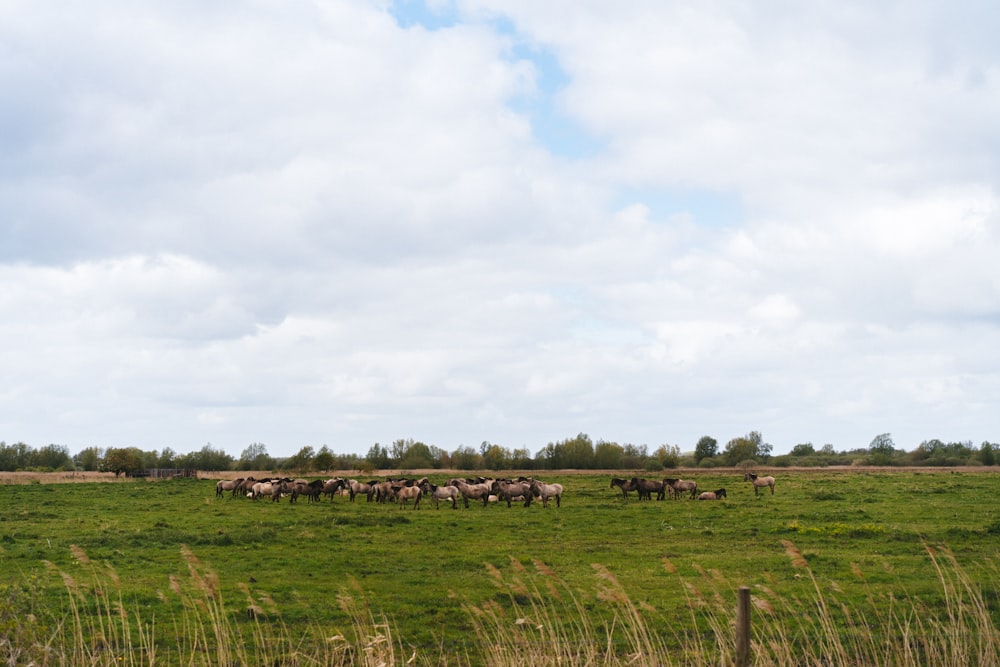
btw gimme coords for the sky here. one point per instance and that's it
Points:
(343, 222)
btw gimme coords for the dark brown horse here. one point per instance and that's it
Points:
(646, 488)
(624, 484)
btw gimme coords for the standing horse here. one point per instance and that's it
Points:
(679, 486)
(332, 486)
(509, 491)
(406, 493)
(624, 484)
(759, 482)
(546, 491)
(223, 486)
(439, 493)
(367, 489)
(475, 491)
(646, 487)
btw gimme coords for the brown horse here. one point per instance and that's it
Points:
(405, 493)
(646, 487)
(222, 486)
(624, 484)
(679, 486)
(759, 482)
(474, 491)
(509, 491)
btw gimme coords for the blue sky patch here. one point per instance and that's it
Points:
(410, 13)
(706, 207)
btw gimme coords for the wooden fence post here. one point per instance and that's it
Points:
(743, 627)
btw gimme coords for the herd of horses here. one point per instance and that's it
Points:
(402, 491)
(409, 491)
(676, 488)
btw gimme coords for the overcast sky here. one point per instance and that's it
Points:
(346, 222)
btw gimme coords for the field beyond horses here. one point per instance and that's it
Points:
(860, 551)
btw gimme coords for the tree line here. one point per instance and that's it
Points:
(578, 452)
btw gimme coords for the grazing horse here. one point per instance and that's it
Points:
(646, 487)
(232, 485)
(546, 491)
(759, 482)
(624, 484)
(679, 486)
(713, 495)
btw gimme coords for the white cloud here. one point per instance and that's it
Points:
(307, 224)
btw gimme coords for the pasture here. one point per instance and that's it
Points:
(843, 538)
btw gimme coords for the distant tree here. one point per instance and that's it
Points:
(467, 458)
(550, 457)
(52, 457)
(415, 456)
(881, 450)
(167, 459)
(14, 457)
(301, 460)
(89, 458)
(668, 456)
(206, 458)
(255, 457)
(707, 447)
(439, 457)
(496, 458)
(608, 455)
(747, 448)
(397, 451)
(987, 453)
(520, 459)
(378, 456)
(578, 452)
(635, 456)
(828, 449)
(936, 453)
(803, 449)
(121, 460)
(324, 459)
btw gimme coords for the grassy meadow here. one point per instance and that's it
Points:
(843, 566)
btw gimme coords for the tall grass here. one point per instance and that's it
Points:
(535, 618)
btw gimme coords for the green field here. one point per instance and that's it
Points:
(865, 542)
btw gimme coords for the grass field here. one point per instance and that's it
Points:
(871, 554)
